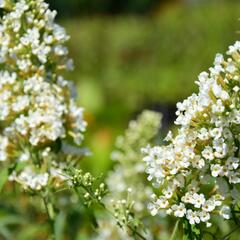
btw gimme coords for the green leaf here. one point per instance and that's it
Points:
(92, 218)
(82, 237)
(20, 166)
(10, 219)
(196, 230)
(5, 233)
(186, 237)
(3, 178)
(59, 225)
(175, 231)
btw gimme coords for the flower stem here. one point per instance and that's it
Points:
(102, 205)
(49, 209)
(51, 215)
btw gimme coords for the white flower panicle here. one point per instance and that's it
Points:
(128, 190)
(129, 171)
(37, 111)
(205, 152)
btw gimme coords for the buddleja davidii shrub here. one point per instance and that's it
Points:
(38, 115)
(128, 189)
(197, 173)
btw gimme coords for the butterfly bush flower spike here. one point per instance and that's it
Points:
(128, 190)
(204, 154)
(38, 112)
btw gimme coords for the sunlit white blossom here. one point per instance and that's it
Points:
(37, 109)
(205, 148)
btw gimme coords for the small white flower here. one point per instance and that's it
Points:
(193, 217)
(203, 134)
(208, 224)
(179, 210)
(207, 153)
(204, 216)
(162, 202)
(216, 169)
(198, 200)
(208, 206)
(225, 212)
(168, 192)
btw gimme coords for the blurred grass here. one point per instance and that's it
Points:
(125, 64)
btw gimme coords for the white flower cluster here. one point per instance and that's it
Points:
(129, 171)
(37, 110)
(30, 179)
(198, 172)
(126, 183)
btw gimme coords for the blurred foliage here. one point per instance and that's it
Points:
(112, 7)
(146, 58)
(86, 7)
(126, 64)
(27, 220)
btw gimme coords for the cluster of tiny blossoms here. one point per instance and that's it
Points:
(128, 190)
(198, 172)
(38, 114)
(93, 190)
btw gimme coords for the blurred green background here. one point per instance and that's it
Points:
(135, 54)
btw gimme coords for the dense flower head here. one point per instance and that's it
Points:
(198, 171)
(38, 113)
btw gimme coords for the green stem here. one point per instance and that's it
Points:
(49, 209)
(134, 231)
(175, 231)
(51, 215)
(90, 211)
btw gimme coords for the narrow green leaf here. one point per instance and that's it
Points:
(10, 219)
(175, 231)
(5, 233)
(3, 178)
(59, 225)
